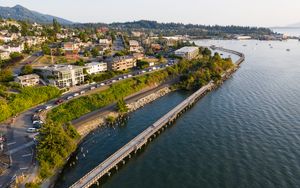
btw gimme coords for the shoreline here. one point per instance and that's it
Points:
(98, 118)
(142, 138)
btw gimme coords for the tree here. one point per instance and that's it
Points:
(80, 62)
(27, 49)
(206, 52)
(142, 64)
(56, 26)
(15, 55)
(95, 52)
(121, 106)
(6, 75)
(27, 69)
(46, 49)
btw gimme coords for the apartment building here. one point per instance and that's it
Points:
(188, 52)
(95, 67)
(121, 63)
(63, 75)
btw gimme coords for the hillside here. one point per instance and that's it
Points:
(21, 13)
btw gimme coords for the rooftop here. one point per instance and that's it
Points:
(60, 67)
(187, 49)
(28, 76)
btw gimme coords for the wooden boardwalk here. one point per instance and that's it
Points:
(136, 143)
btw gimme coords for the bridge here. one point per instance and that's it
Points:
(118, 158)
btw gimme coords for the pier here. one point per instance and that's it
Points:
(119, 157)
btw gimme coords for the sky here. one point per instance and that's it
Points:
(267, 13)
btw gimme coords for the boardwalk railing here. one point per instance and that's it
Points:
(136, 143)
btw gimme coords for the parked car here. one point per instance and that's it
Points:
(48, 107)
(75, 94)
(120, 78)
(59, 101)
(69, 97)
(39, 110)
(31, 130)
(113, 81)
(82, 92)
(102, 84)
(129, 75)
(93, 87)
(37, 122)
(35, 117)
(37, 126)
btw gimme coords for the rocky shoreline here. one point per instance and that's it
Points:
(148, 99)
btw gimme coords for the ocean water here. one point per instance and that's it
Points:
(244, 134)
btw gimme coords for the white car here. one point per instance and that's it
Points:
(120, 78)
(69, 97)
(124, 77)
(102, 84)
(82, 92)
(31, 130)
(93, 87)
(113, 81)
(48, 107)
(143, 71)
(75, 94)
(38, 122)
(129, 75)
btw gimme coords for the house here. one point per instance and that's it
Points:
(156, 47)
(188, 52)
(95, 67)
(134, 46)
(138, 56)
(8, 37)
(63, 75)
(102, 30)
(12, 48)
(28, 80)
(4, 55)
(137, 33)
(32, 40)
(121, 63)
(105, 42)
(71, 50)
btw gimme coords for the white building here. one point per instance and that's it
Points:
(95, 67)
(188, 52)
(134, 46)
(28, 80)
(63, 75)
(12, 48)
(105, 42)
(4, 55)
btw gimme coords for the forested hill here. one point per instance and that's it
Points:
(182, 29)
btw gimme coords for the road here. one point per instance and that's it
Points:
(28, 60)
(19, 142)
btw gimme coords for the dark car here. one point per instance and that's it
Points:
(59, 101)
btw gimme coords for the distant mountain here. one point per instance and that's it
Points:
(21, 13)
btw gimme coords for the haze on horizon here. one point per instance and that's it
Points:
(265, 13)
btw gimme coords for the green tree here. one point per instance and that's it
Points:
(56, 26)
(27, 69)
(95, 52)
(121, 106)
(46, 49)
(27, 49)
(6, 75)
(15, 55)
